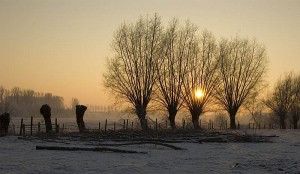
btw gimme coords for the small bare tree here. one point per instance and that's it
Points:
(242, 68)
(2, 99)
(255, 107)
(295, 113)
(295, 109)
(177, 46)
(131, 73)
(202, 77)
(220, 120)
(282, 99)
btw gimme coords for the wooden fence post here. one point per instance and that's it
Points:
(183, 124)
(127, 124)
(56, 126)
(39, 127)
(105, 125)
(132, 125)
(124, 125)
(14, 128)
(21, 126)
(24, 129)
(63, 127)
(156, 124)
(31, 121)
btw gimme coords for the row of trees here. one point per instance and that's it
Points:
(27, 102)
(100, 108)
(177, 68)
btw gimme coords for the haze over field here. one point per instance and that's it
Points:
(61, 46)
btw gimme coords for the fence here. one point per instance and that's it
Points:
(36, 127)
(113, 126)
(157, 125)
(31, 127)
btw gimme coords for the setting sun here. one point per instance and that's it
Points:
(199, 93)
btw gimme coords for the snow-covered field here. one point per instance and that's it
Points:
(281, 156)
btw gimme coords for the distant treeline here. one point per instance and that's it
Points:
(98, 108)
(25, 103)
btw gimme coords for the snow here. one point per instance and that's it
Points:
(280, 156)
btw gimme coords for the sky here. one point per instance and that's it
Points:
(61, 46)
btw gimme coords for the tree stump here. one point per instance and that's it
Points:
(46, 112)
(4, 123)
(80, 110)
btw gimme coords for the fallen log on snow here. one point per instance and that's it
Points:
(212, 140)
(96, 149)
(145, 142)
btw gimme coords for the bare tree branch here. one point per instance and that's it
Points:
(202, 75)
(242, 68)
(131, 74)
(177, 44)
(285, 99)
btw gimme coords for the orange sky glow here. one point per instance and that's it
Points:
(61, 46)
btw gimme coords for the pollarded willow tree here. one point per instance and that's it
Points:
(285, 99)
(202, 77)
(131, 73)
(178, 44)
(243, 64)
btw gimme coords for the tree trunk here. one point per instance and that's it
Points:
(196, 112)
(295, 121)
(141, 113)
(144, 124)
(295, 124)
(232, 120)
(172, 121)
(195, 120)
(4, 123)
(172, 115)
(282, 123)
(45, 110)
(80, 110)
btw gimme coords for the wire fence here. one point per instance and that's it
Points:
(29, 126)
